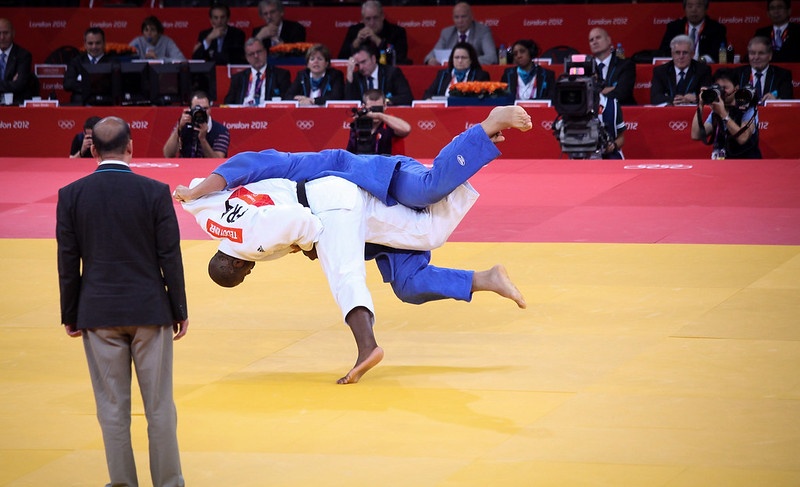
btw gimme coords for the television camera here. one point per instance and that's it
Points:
(577, 126)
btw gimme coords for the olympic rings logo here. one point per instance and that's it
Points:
(678, 125)
(426, 124)
(547, 125)
(66, 124)
(305, 124)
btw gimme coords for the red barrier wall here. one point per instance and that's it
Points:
(653, 133)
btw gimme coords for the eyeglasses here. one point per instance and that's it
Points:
(255, 53)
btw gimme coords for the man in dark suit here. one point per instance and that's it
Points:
(465, 29)
(618, 75)
(122, 290)
(364, 73)
(260, 83)
(94, 43)
(222, 43)
(277, 30)
(16, 74)
(708, 34)
(679, 81)
(374, 27)
(785, 35)
(770, 82)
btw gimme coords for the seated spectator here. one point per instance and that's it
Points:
(465, 29)
(784, 35)
(16, 63)
(463, 65)
(260, 83)
(618, 75)
(364, 73)
(198, 140)
(706, 33)
(94, 43)
(153, 44)
(731, 130)
(319, 82)
(527, 80)
(679, 81)
(82, 142)
(384, 129)
(375, 28)
(277, 30)
(222, 43)
(770, 82)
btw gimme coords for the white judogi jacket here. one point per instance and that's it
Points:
(261, 220)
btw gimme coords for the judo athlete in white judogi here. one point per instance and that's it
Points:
(347, 218)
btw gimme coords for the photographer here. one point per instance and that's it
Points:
(82, 142)
(196, 135)
(732, 125)
(373, 129)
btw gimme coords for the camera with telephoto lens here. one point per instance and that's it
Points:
(199, 116)
(365, 139)
(745, 97)
(578, 127)
(711, 94)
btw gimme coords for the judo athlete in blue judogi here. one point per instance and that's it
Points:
(392, 180)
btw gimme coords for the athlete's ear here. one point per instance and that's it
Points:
(239, 263)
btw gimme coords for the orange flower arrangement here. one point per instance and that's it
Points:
(117, 49)
(479, 89)
(290, 49)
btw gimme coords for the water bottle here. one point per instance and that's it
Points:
(502, 55)
(383, 57)
(723, 54)
(391, 54)
(731, 57)
(620, 51)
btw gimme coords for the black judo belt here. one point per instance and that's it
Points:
(302, 198)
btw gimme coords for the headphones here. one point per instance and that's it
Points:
(531, 46)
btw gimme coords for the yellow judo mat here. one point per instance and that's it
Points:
(634, 365)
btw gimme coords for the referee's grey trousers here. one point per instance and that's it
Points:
(110, 352)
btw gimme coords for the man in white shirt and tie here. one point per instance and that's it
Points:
(618, 75)
(364, 73)
(679, 81)
(785, 35)
(768, 81)
(465, 29)
(261, 82)
(94, 43)
(706, 33)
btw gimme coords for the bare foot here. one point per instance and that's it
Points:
(496, 280)
(361, 368)
(506, 117)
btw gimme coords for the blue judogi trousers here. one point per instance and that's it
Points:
(392, 179)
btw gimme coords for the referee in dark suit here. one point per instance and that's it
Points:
(122, 289)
